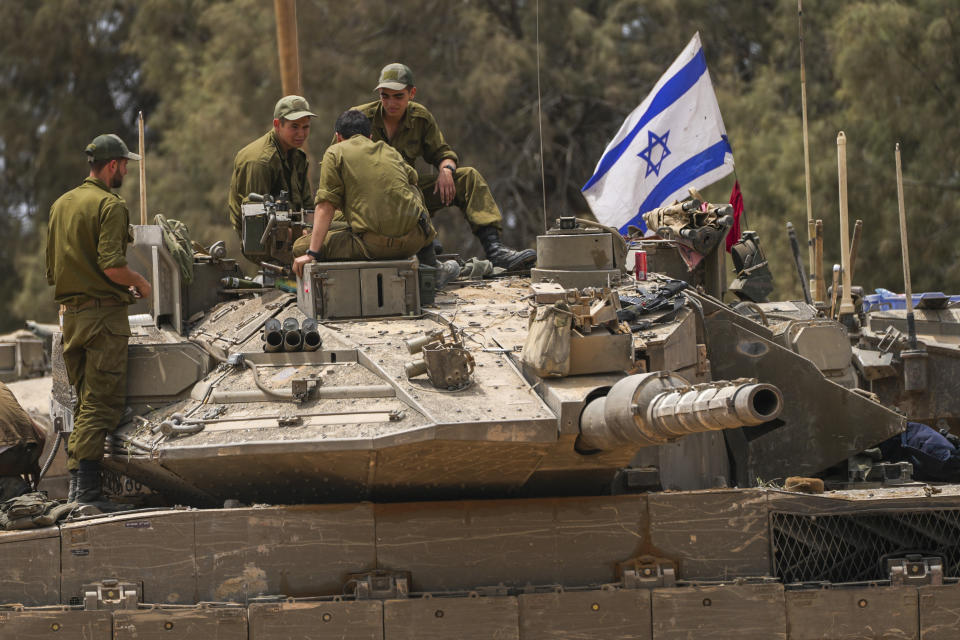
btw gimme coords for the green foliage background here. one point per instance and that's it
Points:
(205, 74)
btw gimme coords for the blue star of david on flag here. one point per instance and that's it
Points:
(631, 177)
(654, 141)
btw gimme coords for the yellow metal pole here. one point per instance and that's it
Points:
(818, 262)
(806, 148)
(904, 251)
(287, 46)
(143, 171)
(846, 302)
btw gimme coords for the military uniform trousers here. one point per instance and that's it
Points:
(342, 244)
(473, 198)
(95, 355)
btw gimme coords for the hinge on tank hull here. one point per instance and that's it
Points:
(379, 584)
(915, 570)
(109, 594)
(648, 572)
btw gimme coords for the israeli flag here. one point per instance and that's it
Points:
(674, 140)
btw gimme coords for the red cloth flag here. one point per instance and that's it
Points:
(736, 199)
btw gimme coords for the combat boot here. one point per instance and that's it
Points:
(72, 487)
(90, 491)
(503, 256)
(447, 272)
(428, 255)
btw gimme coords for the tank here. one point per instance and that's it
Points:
(919, 374)
(568, 455)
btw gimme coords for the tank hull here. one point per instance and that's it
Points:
(754, 563)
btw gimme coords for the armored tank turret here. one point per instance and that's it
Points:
(569, 454)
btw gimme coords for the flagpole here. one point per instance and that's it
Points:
(543, 175)
(806, 144)
(743, 214)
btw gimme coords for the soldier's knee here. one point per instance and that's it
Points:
(468, 175)
(300, 246)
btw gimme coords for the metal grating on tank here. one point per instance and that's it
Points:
(854, 547)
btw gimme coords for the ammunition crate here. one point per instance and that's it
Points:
(367, 289)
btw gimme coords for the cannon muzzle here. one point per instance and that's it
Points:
(650, 409)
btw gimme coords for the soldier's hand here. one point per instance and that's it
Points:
(145, 290)
(299, 263)
(445, 187)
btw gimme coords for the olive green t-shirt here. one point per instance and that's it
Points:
(89, 231)
(260, 167)
(418, 135)
(369, 181)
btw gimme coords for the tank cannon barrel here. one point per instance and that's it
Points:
(650, 409)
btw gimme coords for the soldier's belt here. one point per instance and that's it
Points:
(95, 302)
(369, 237)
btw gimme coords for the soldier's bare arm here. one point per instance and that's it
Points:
(322, 217)
(129, 278)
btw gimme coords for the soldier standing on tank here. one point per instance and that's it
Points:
(413, 131)
(384, 216)
(274, 162)
(87, 266)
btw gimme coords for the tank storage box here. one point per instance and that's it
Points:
(376, 288)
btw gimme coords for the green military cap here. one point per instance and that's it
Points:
(395, 76)
(108, 146)
(292, 108)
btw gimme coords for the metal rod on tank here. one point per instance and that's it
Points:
(834, 290)
(854, 245)
(325, 393)
(287, 45)
(795, 248)
(905, 255)
(846, 302)
(806, 148)
(821, 294)
(143, 171)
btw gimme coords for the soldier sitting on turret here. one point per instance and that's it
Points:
(411, 129)
(381, 204)
(274, 162)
